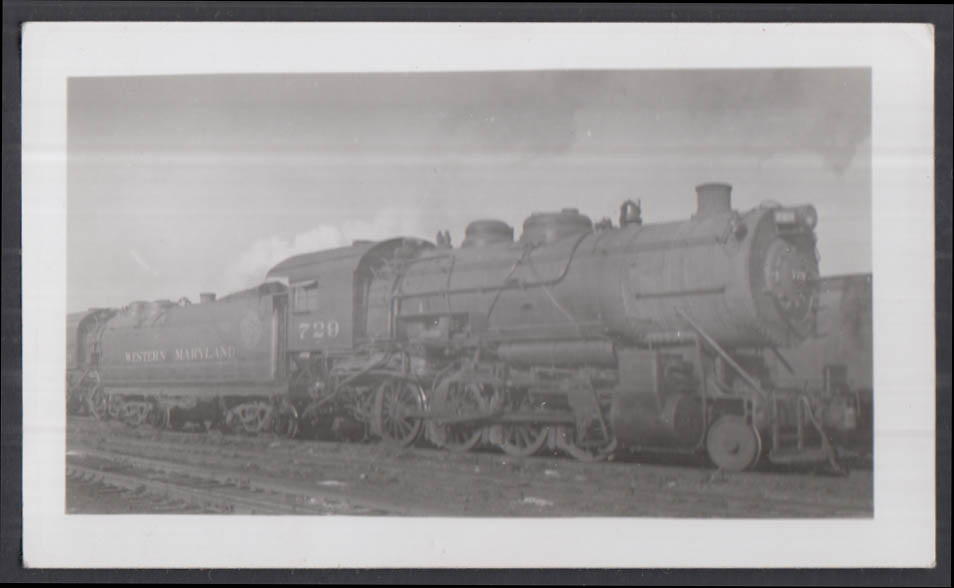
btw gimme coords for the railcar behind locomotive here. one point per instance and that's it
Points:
(837, 361)
(574, 336)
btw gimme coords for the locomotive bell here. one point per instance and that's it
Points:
(631, 213)
(713, 198)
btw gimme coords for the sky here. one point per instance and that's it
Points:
(184, 184)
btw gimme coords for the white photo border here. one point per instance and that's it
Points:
(902, 532)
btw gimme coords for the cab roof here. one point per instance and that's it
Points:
(306, 265)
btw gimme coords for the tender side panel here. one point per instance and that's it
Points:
(221, 343)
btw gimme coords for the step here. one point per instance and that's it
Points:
(808, 454)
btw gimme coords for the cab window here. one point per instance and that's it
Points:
(305, 297)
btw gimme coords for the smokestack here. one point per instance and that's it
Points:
(207, 297)
(713, 198)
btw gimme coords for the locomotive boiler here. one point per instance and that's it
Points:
(584, 338)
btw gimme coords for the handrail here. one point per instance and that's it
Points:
(826, 443)
(508, 285)
(777, 353)
(724, 355)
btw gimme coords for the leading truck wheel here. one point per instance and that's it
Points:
(732, 444)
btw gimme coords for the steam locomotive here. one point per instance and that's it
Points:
(577, 337)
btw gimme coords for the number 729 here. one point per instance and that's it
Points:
(319, 329)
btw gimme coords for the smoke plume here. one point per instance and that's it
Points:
(251, 266)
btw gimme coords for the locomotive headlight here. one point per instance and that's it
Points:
(785, 217)
(790, 218)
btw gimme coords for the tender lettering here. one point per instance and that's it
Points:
(205, 353)
(150, 356)
(214, 353)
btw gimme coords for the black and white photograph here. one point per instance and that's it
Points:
(367, 293)
(572, 293)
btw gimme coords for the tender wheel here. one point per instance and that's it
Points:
(251, 418)
(74, 405)
(135, 413)
(98, 403)
(732, 444)
(285, 421)
(158, 416)
(399, 406)
(458, 399)
(76, 401)
(114, 406)
(174, 419)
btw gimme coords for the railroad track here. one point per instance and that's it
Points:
(218, 489)
(373, 469)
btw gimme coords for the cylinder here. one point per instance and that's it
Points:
(713, 198)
